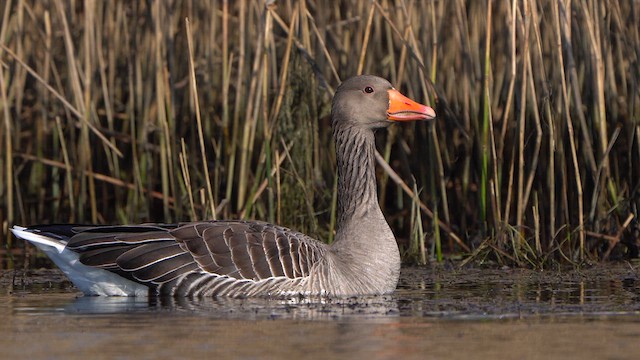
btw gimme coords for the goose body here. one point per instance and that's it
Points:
(251, 258)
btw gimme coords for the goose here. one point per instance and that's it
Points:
(236, 258)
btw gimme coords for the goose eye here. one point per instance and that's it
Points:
(368, 89)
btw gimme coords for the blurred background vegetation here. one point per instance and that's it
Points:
(168, 111)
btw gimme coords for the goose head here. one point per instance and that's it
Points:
(371, 102)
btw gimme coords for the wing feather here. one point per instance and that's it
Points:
(104, 257)
(197, 258)
(270, 247)
(149, 254)
(258, 256)
(240, 255)
(284, 251)
(161, 268)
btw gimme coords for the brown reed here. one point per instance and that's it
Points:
(153, 111)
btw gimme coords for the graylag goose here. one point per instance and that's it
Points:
(250, 258)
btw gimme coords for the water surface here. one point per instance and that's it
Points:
(435, 313)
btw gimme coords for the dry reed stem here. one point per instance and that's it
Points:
(7, 187)
(196, 105)
(186, 177)
(486, 140)
(164, 119)
(574, 155)
(6, 184)
(365, 41)
(285, 67)
(522, 118)
(67, 166)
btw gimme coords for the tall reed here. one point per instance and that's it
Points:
(167, 111)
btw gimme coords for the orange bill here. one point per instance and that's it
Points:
(401, 108)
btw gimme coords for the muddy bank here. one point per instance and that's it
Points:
(613, 288)
(34, 281)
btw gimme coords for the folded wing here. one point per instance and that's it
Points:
(180, 259)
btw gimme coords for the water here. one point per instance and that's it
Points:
(435, 313)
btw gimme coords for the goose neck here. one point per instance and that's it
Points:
(357, 193)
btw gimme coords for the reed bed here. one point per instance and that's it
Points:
(127, 112)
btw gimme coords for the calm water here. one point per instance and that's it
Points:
(435, 313)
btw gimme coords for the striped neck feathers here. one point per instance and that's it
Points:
(357, 189)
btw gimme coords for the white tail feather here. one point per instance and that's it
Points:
(90, 280)
(37, 239)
